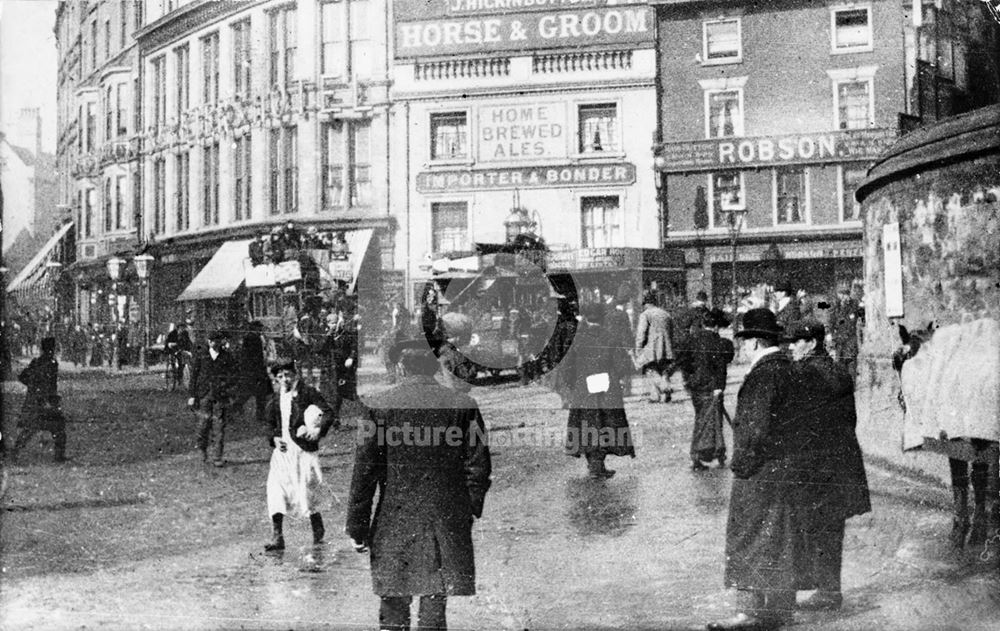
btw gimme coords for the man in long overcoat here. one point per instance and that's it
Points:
(703, 357)
(826, 446)
(762, 533)
(254, 381)
(424, 447)
(594, 370)
(653, 346)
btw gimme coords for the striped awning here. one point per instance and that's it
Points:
(34, 272)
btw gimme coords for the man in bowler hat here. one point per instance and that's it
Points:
(212, 394)
(761, 533)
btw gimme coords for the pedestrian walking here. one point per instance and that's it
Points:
(702, 358)
(762, 533)
(423, 447)
(298, 417)
(41, 410)
(597, 426)
(691, 319)
(213, 391)
(654, 348)
(254, 381)
(827, 447)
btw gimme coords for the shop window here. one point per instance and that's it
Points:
(182, 194)
(598, 128)
(854, 104)
(790, 195)
(601, 221)
(851, 177)
(284, 172)
(449, 136)
(723, 113)
(449, 226)
(851, 28)
(721, 41)
(728, 193)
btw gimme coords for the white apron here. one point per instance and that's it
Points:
(295, 476)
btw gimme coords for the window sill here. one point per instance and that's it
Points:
(856, 49)
(722, 62)
(450, 162)
(595, 156)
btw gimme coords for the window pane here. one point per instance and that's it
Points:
(851, 28)
(727, 194)
(601, 222)
(722, 39)
(853, 105)
(333, 164)
(791, 195)
(449, 136)
(333, 39)
(449, 225)
(598, 127)
(852, 178)
(724, 116)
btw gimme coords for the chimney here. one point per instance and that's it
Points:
(29, 130)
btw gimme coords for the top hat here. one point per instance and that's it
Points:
(806, 330)
(417, 345)
(760, 323)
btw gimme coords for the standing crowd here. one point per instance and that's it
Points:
(797, 468)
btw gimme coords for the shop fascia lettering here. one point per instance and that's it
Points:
(558, 26)
(481, 6)
(755, 150)
(526, 177)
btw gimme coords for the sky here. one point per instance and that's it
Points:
(28, 65)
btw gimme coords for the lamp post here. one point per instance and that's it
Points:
(114, 272)
(517, 223)
(143, 263)
(735, 218)
(660, 182)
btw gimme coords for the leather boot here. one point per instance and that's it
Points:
(960, 498)
(278, 539)
(317, 527)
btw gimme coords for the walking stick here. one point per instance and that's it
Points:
(722, 407)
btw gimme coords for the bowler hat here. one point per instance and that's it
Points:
(416, 346)
(715, 317)
(282, 363)
(806, 330)
(760, 323)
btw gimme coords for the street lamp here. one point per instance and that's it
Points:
(660, 182)
(114, 272)
(735, 218)
(143, 265)
(517, 223)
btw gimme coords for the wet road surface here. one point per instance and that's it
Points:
(135, 533)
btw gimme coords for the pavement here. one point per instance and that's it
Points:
(135, 533)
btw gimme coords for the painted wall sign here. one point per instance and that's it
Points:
(619, 173)
(425, 9)
(618, 26)
(737, 153)
(522, 132)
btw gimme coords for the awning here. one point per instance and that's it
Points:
(34, 271)
(222, 275)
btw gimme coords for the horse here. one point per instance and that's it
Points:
(935, 395)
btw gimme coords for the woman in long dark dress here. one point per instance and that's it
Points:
(593, 370)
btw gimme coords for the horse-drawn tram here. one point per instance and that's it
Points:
(930, 365)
